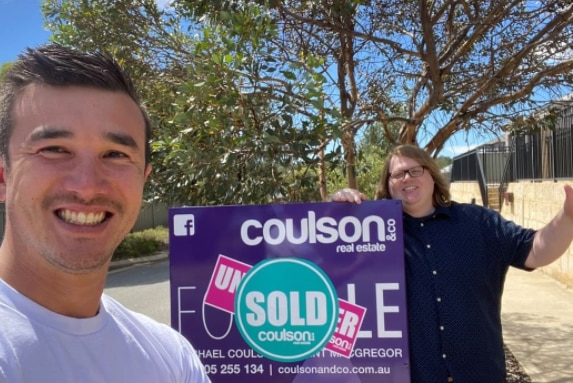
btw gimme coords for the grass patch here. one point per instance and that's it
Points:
(142, 243)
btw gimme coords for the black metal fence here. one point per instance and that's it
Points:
(487, 164)
(544, 156)
(547, 155)
(487, 161)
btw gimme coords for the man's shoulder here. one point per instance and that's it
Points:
(170, 345)
(469, 214)
(469, 208)
(128, 317)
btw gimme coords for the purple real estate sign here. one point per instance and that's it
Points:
(293, 293)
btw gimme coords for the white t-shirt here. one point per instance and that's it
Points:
(115, 346)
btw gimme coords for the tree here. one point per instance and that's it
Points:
(3, 69)
(303, 80)
(435, 68)
(443, 161)
(223, 134)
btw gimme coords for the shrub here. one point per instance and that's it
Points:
(142, 243)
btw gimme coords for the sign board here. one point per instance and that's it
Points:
(293, 293)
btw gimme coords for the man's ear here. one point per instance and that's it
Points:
(2, 181)
(147, 171)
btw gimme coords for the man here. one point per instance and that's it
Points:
(74, 145)
(457, 256)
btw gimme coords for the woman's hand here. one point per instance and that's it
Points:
(348, 195)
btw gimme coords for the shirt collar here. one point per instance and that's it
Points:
(440, 212)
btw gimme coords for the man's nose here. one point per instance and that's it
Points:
(87, 177)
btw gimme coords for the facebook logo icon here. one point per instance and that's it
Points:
(183, 225)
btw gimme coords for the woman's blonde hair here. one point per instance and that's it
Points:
(441, 195)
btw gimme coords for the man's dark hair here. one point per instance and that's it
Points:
(56, 65)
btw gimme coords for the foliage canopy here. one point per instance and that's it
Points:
(264, 101)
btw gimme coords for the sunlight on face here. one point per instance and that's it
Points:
(77, 169)
(415, 192)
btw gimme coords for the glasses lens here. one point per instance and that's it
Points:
(397, 175)
(417, 171)
(413, 172)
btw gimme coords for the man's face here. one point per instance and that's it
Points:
(74, 185)
(415, 192)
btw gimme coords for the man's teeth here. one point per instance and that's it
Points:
(80, 218)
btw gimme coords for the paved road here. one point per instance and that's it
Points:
(537, 315)
(143, 288)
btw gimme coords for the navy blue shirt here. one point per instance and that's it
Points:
(456, 262)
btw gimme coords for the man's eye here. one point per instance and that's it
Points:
(116, 155)
(53, 149)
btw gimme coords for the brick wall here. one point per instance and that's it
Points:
(534, 204)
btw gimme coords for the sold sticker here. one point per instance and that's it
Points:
(224, 282)
(286, 309)
(349, 321)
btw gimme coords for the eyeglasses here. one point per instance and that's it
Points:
(416, 171)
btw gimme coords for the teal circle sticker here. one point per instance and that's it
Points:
(286, 309)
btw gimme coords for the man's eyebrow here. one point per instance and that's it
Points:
(122, 139)
(50, 133)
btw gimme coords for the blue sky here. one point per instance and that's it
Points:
(21, 25)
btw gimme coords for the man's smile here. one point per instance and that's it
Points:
(81, 218)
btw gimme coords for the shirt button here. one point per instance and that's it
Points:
(428, 246)
(422, 224)
(435, 272)
(442, 328)
(439, 299)
(444, 356)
